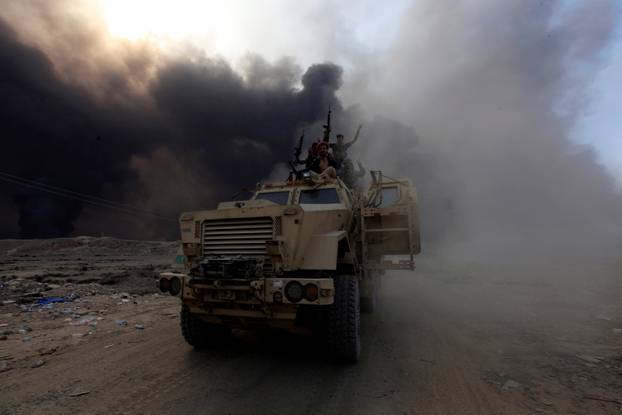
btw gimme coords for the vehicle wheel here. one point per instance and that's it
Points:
(344, 320)
(197, 332)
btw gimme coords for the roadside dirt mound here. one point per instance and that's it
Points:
(31, 268)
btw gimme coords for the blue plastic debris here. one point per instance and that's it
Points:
(51, 300)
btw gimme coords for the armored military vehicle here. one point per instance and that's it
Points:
(304, 255)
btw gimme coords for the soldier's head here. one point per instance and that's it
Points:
(313, 149)
(340, 138)
(322, 148)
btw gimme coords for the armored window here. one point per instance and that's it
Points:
(280, 198)
(390, 196)
(319, 196)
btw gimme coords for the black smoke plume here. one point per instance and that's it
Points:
(195, 132)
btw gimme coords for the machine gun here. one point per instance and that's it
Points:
(327, 127)
(295, 174)
(298, 149)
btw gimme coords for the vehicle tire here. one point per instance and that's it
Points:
(197, 332)
(344, 320)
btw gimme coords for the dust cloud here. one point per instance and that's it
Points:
(492, 91)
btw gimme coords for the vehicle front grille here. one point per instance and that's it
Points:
(239, 236)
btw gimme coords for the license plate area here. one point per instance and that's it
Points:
(226, 295)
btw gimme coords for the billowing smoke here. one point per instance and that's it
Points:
(474, 100)
(493, 90)
(178, 134)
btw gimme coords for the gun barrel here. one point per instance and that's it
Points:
(327, 126)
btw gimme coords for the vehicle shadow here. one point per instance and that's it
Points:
(265, 343)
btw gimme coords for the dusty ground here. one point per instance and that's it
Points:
(451, 338)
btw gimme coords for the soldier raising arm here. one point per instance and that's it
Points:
(340, 148)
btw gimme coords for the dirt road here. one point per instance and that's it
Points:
(444, 341)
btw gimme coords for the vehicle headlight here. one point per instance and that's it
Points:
(293, 291)
(310, 292)
(175, 287)
(165, 285)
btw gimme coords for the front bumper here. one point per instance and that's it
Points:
(250, 291)
(248, 298)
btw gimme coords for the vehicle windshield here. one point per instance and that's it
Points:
(390, 196)
(280, 198)
(319, 196)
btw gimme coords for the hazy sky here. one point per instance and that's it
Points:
(480, 96)
(347, 33)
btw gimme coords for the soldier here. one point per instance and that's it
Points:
(350, 176)
(340, 148)
(312, 155)
(324, 164)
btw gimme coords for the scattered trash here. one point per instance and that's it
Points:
(24, 329)
(7, 302)
(121, 322)
(67, 311)
(510, 384)
(38, 363)
(617, 331)
(139, 327)
(51, 300)
(80, 335)
(4, 325)
(108, 346)
(85, 321)
(26, 339)
(78, 393)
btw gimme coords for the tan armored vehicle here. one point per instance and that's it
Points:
(303, 255)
